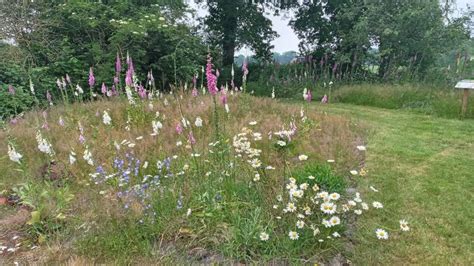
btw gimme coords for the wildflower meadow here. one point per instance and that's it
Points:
(217, 132)
(210, 171)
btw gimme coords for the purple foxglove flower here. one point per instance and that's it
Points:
(195, 92)
(91, 78)
(118, 65)
(11, 90)
(49, 97)
(179, 128)
(128, 78)
(224, 98)
(194, 81)
(116, 80)
(211, 78)
(309, 96)
(104, 89)
(191, 138)
(324, 99)
(141, 92)
(245, 69)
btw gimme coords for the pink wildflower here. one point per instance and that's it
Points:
(224, 98)
(118, 65)
(309, 96)
(324, 99)
(91, 78)
(104, 89)
(211, 78)
(11, 90)
(191, 138)
(179, 128)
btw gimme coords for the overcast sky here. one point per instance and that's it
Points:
(288, 40)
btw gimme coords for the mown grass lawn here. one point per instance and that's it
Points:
(423, 168)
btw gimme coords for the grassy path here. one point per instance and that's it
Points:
(423, 168)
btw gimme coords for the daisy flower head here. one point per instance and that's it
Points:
(281, 143)
(264, 236)
(300, 224)
(293, 235)
(404, 225)
(334, 196)
(328, 208)
(311, 177)
(303, 157)
(361, 148)
(335, 221)
(377, 205)
(354, 172)
(291, 207)
(381, 234)
(304, 186)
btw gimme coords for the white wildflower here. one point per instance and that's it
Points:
(381, 234)
(13, 154)
(264, 236)
(106, 119)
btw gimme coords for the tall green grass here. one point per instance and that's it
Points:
(415, 97)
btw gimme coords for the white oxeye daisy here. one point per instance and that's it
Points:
(304, 186)
(331, 161)
(326, 223)
(198, 122)
(354, 172)
(256, 177)
(381, 234)
(365, 206)
(264, 236)
(291, 207)
(361, 148)
(281, 143)
(334, 196)
(316, 231)
(311, 177)
(315, 187)
(358, 212)
(334, 221)
(404, 225)
(377, 205)
(279, 198)
(303, 157)
(293, 235)
(300, 224)
(328, 208)
(253, 123)
(336, 234)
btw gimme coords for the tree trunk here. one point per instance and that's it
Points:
(230, 35)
